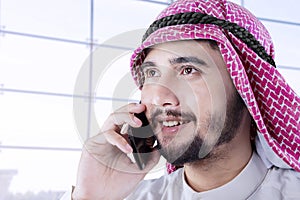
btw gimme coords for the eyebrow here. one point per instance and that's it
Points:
(178, 60)
(189, 59)
(147, 64)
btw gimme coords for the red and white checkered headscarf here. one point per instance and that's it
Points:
(273, 105)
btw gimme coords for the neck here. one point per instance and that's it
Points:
(224, 164)
(207, 176)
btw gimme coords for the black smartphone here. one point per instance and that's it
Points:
(142, 141)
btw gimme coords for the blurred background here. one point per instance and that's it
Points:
(44, 45)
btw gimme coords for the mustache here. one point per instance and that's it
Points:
(185, 116)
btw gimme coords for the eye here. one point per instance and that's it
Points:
(186, 70)
(148, 73)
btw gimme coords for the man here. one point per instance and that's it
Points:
(223, 115)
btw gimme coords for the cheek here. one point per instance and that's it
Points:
(218, 92)
(207, 100)
(199, 99)
(145, 95)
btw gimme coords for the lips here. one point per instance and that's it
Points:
(171, 125)
(168, 122)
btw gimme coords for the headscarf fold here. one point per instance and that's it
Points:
(272, 103)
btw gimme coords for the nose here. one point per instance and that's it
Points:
(159, 95)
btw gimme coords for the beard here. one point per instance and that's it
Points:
(196, 148)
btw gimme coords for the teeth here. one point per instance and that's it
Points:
(172, 123)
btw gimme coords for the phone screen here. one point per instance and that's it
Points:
(142, 141)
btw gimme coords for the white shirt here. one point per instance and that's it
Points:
(255, 182)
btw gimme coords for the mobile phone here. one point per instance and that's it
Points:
(142, 141)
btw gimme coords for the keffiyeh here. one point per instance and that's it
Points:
(248, 52)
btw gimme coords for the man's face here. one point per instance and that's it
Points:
(191, 102)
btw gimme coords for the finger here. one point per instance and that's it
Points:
(122, 163)
(132, 108)
(118, 160)
(117, 140)
(152, 161)
(115, 120)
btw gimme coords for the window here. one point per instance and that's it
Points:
(44, 51)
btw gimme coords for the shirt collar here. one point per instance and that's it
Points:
(241, 187)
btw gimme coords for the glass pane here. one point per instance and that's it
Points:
(275, 9)
(36, 171)
(102, 109)
(37, 120)
(285, 38)
(116, 81)
(128, 15)
(292, 77)
(40, 65)
(64, 19)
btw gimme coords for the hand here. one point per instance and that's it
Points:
(105, 171)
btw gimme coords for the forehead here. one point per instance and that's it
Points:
(200, 49)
